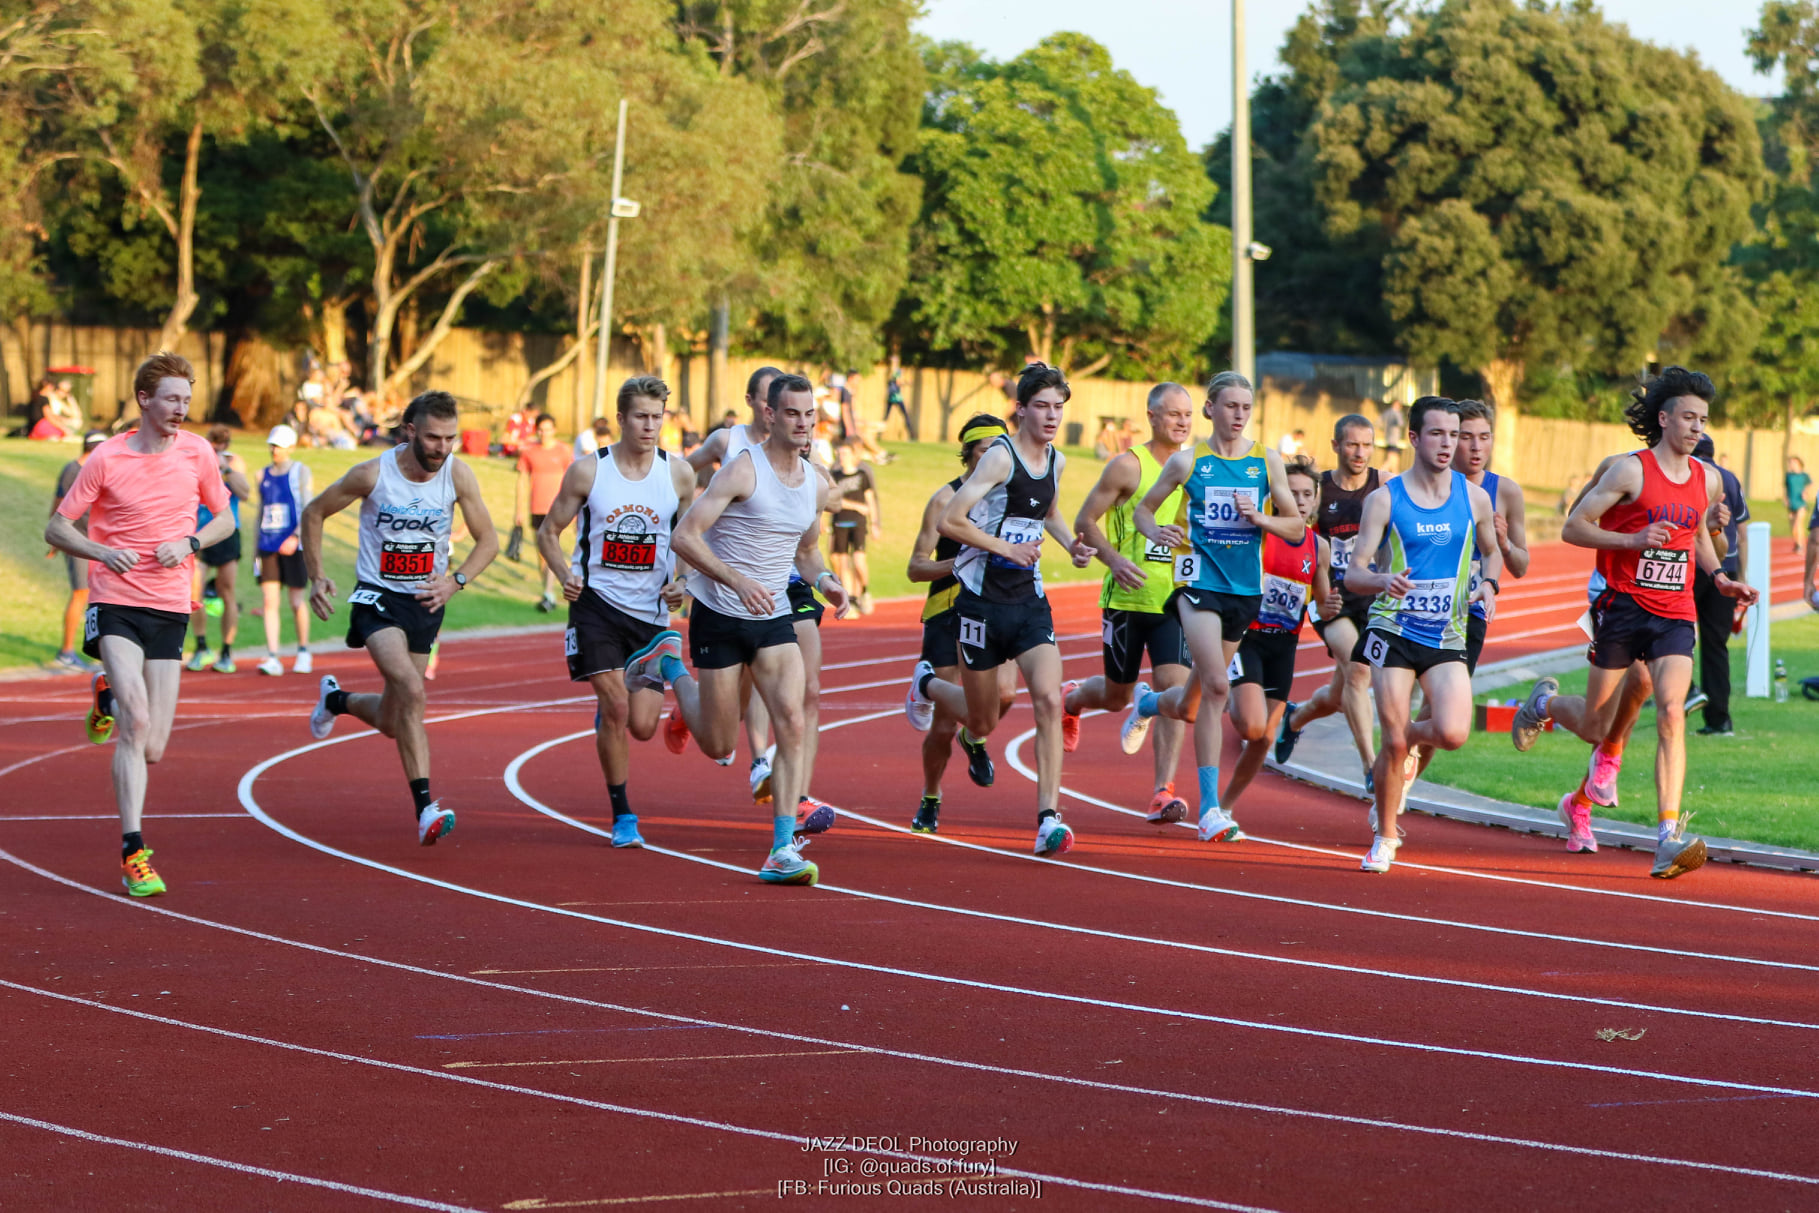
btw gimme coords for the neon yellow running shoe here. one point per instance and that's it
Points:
(137, 875)
(101, 716)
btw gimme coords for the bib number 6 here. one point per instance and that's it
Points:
(1376, 649)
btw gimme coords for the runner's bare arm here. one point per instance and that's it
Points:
(734, 481)
(922, 563)
(358, 481)
(810, 564)
(1286, 523)
(174, 552)
(64, 535)
(1359, 577)
(521, 496)
(436, 593)
(236, 477)
(1115, 485)
(1490, 554)
(577, 483)
(994, 468)
(1174, 474)
(1323, 577)
(682, 477)
(1620, 482)
(711, 451)
(1512, 527)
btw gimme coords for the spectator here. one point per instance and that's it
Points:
(1105, 443)
(284, 492)
(520, 427)
(328, 427)
(855, 516)
(219, 564)
(590, 440)
(1799, 499)
(1292, 445)
(77, 606)
(541, 464)
(893, 399)
(727, 421)
(1715, 611)
(1127, 435)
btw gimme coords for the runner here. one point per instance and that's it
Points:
(1294, 574)
(932, 560)
(140, 491)
(1421, 524)
(1646, 516)
(760, 515)
(1218, 574)
(74, 567)
(223, 562)
(1134, 602)
(1340, 614)
(542, 464)
(856, 518)
(407, 502)
(999, 514)
(284, 493)
(620, 584)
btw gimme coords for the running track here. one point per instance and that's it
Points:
(323, 1015)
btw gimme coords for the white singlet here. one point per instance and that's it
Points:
(758, 537)
(738, 438)
(405, 527)
(622, 538)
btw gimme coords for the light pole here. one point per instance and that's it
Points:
(622, 208)
(1244, 337)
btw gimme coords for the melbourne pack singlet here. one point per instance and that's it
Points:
(1227, 553)
(1660, 579)
(1434, 548)
(943, 590)
(622, 550)
(759, 536)
(405, 527)
(1152, 558)
(1014, 511)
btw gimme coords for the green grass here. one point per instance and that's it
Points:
(1757, 785)
(31, 614)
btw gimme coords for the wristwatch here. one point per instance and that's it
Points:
(461, 579)
(1492, 582)
(824, 573)
(195, 545)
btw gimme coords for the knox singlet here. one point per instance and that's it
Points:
(758, 536)
(943, 590)
(405, 527)
(1152, 558)
(622, 540)
(1227, 548)
(1433, 546)
(1660, 579)
(1014, 511)
(1288, 580)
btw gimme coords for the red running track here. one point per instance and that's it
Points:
(321, 1014)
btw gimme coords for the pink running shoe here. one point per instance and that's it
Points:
(1601, 777)
(1578, 827)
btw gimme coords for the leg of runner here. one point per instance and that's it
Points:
(227, 582)
(1166, 737)
(397, 712)
(1255, 719)
(1393, 686)
(1607, 756)
(145, 702)
(1041, 668)
(1588, 717)
(938, 742)
(1349, 692)
(757, 736)
(808, 640)
(637, 713)
(1202, 699)
(1672, 675)
(709, 703)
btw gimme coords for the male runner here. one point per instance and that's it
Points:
(1645, 516)
(222, 562)
(1294, 574)
(140, 491)
(1134, 603)
(999, 514)
(760, 515)
(1340, 614)
(1219, 578)
(407, 502)
(1421, 524)
(620, 584)
(284, 492)
(542, 463)
(932, 560)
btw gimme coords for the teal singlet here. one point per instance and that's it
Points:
(1227, 550)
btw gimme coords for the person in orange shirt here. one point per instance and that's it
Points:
(140, 491)
(541, 465)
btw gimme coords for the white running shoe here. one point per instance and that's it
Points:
(1381, 855)
(1136, 724)
(919, 707)
(761, 775)
(785, 865)
(1053, 837)
(272, 666)
(322, 721)
(1216, 825)
(725, 760)
(1372, 818)
(433, 823)
(304, 664)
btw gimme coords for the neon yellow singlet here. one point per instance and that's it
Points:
(1157, 561)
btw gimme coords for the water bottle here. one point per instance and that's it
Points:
(1780, 681)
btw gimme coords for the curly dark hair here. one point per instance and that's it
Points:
(1647, 401)
(1038, 376)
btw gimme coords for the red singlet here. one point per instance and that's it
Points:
(1288, 580)
(1659, 579)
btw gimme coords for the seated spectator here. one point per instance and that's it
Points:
(328, 428)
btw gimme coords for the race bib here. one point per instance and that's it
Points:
(972, 632)
(1282, 601)
(1660, 569)
(91, 624)
(1376, 648)
(638, 554)
(366, 598)
(1018, 530)
(275, 516)
(1157, 553)
(1187, 567)
(1342, 553)
(570, 646)
(407, 561)
(1431, 600)
(1220, 520)
(1235, 670)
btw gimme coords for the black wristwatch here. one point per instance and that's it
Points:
(461, 579)
(195, 545)
(1492, 582)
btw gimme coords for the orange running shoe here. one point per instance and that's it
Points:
(1070, 722)
(101, 716)
(1166, 808)
(675, 731)
(137, 875)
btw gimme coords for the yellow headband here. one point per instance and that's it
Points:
(983, 430)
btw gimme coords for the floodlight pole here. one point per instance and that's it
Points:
(1244, 337)
(606, 273)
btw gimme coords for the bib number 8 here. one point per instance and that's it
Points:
(1187, 567)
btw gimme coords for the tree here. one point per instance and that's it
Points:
(1062, 214)
(1549, 188)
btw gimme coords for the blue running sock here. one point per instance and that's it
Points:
(671, 667)
(783, 831)
(1209, 788)
(1149, 703)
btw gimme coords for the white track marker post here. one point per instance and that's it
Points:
(1755, 620)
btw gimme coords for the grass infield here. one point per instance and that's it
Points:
(1761, 784)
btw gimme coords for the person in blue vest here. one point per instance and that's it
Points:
(284, 493)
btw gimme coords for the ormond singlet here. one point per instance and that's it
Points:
(405, 527)
(758, 536)
(1434, 547)
(1660, 579)
(1491, 481)
(1337, 516)
(1288, 579)
(1227, 555)
(943, 590)
(1014, 511)
(622, 540)
(1152, 558)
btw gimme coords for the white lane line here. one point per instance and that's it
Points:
(515, 785)
(1013, 755)
(718, 1126)
(116, 817)
(243, 1168)
(898, 1054)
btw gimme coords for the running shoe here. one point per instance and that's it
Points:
(137, 875)
(1070, 721)
(1718, 730)
(101, 716)
(928, 816)
(1601, 777)
(1053, 837)
(1286, 739)
(726, 759)
(644, 669)
(72, 662)
(1136, 724)
(1216, 825)
(979, 766)
(761, 775)
(1578, 823)
(546, 604)
(433, 823)
(224, 664)
(199, 660)
(785, 865)
(1696, 699)
(1380, 856)
(1677, 855)
(675, 731)
(1529, 717)
(272, 666)
(435, 658)
(813, 816)
(1166, 808)
(321, 720)
(919, 707)
(1371, 818)
(625, 831)
(304, 663)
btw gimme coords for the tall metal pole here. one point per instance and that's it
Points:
(1244, 338)
(606, 278)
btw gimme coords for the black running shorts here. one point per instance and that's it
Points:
(601, 637)
(803, 604)
(374, 609)
(1475, 628)
(285, 568)
(1126, 635)
(1356, 607)
(992, 633)
(1624, 631)
(1236, 611)
(941, 640)
(217, 554)
(159, 634)
(1388, 651)
(717, 642)
(1266, 658)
